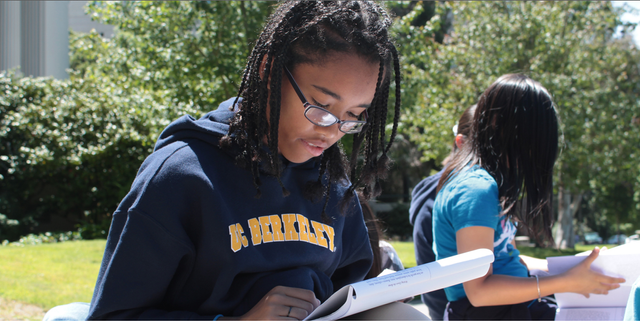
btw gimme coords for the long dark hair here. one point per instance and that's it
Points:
(307, 32)
(515, 138)
(375, 234)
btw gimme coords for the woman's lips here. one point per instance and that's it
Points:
(315, 148)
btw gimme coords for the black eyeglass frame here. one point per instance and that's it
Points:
(308, 106)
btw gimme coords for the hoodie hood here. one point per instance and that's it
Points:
(423, 197)
(213, 126)
(209, 128)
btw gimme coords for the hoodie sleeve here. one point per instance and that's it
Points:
(421, 217)
(146, 246)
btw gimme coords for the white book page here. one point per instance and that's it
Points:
(619, 262)
(590, 314)
(625, 249)
(411, 282)
(335, 307)
(381, 290)
(615, 298)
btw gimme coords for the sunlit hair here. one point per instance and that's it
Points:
(514, 136)
(310, 32)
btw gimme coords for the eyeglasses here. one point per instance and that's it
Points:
(321, 117)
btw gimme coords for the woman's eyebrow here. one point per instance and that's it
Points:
(335, 95)
(328, 92)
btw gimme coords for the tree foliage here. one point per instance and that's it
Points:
(570, 48)
(192, 52)
(70, 148)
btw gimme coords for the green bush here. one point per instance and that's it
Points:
(9, 227)
(71, 148)
(45, 238)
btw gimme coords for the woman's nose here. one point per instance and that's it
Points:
(330, 133)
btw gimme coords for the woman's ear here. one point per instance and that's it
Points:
(460, 140)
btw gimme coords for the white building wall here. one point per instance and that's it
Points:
(45, 38)
(31, 39)
(34, 35)
(81, 22)
(56, 39)
(9, 34)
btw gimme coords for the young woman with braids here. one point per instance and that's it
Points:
(509, 154)
(250, 212)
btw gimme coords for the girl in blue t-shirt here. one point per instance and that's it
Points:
(509, 154)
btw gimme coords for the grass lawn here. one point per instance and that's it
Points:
(47, 275)
(406, 252)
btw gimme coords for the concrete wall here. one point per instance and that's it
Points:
(9, 34)
(34, 35)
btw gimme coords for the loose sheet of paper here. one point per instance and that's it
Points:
(621, 261)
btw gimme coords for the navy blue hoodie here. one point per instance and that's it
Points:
(190, 241)
(420, 216)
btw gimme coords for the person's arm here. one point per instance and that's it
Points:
(139, 263)
(148, 257)
(143, 251)
(493, 289)
(532, 263)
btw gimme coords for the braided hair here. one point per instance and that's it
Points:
(308, 32)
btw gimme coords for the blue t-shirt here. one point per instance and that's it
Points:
(469, 199)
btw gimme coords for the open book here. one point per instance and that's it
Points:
(621, 261)
(358, 297)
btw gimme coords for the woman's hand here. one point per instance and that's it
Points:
(581, 279)
(283, 303)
